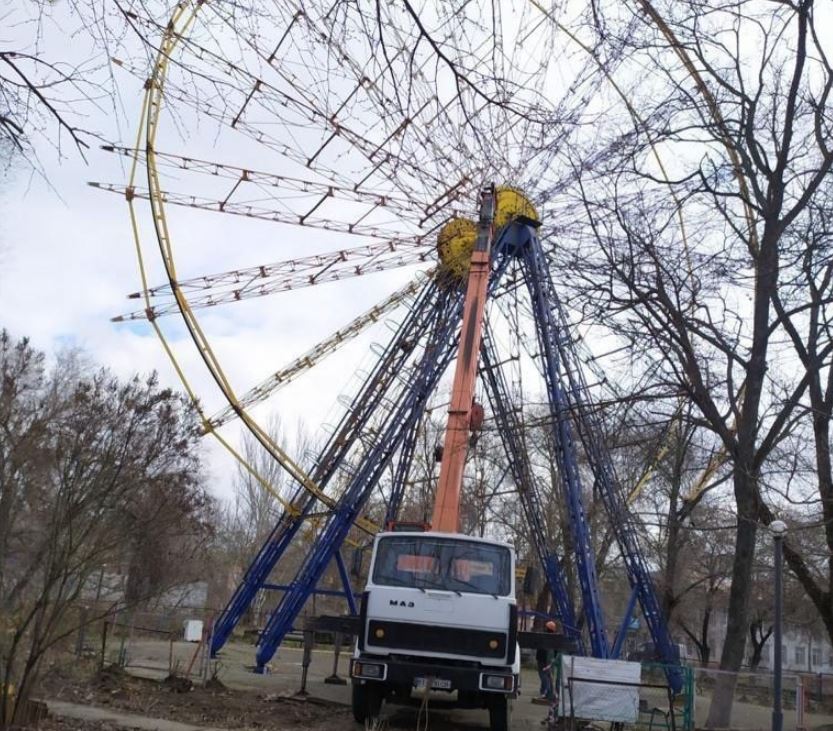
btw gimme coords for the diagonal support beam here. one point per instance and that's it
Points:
(410, 406)
(331, 457)
(539, 283)
(512, 435)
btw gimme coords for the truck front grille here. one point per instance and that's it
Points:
(431, 638)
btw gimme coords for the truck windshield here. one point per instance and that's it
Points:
(425, 562)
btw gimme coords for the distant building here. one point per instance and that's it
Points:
(109, 587)
(803, 649)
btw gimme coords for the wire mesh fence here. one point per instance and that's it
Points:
(806, 699)
(645, 701)
(154, 643)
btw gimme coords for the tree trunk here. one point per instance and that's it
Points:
(703, 646)
(669, 598)
(758, 638)
(731, 659)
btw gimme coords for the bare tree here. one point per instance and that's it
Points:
(93, 470)
(701, 308)
(56, 85)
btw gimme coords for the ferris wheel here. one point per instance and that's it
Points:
(293, 148)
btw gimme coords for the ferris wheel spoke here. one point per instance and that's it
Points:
(377, 153)
(317, 353)
(258, 281)
(255, 208)
(276, 102)
(404, 207)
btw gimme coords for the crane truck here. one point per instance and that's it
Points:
(438, 614)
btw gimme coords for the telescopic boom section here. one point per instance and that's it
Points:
(446, 517)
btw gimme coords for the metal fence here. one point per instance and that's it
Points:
(807, 699)
(149, 643)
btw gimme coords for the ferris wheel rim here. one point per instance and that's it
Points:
(184, 15)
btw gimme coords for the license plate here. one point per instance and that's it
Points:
(436, 683)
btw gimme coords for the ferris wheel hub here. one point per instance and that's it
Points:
(455, 241)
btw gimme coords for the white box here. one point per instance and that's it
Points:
(587, 698)
(192, 630)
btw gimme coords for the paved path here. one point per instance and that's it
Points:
(119, 718)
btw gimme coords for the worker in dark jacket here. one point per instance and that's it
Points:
(544, 659)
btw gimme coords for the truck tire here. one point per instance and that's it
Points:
(366, 701)
(499, 714)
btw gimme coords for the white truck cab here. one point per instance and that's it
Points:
(438, 614)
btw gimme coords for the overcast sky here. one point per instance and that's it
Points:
(67, 262)
(67, 257)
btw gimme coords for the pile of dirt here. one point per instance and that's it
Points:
(111, 679)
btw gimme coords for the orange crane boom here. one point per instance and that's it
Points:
(446, 516)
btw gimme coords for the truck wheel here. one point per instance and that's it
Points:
(499, 714)
(367, 701)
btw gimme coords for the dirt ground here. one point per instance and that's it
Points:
(179, 700)
(244, 700)
(72, 724)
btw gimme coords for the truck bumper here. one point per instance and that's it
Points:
(405, 675)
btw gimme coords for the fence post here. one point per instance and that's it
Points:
(103, 645)
(309, 641)
(799, 704)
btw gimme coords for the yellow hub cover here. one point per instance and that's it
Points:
(455, 241)
(512, 203)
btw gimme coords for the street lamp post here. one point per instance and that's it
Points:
(779, 530)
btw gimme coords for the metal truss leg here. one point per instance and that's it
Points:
(548, 308)
(512, 436)
(332, 456)
(403, 469)
(537, 276)
(410, 405)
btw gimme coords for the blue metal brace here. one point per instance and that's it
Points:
(332, 456)
(538, 281)
(558, 345)
(512, 437)
(410, 404)
(626, 622)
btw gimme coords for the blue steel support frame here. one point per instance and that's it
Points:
(403, 468)
(623, 628)
(512, 436)
(332, 455)
(539, 283)
(350, 504)
(551, 319)
(345, 582)
(411, 406)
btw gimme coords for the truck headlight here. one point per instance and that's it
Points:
(370, 670)
(498, 682)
